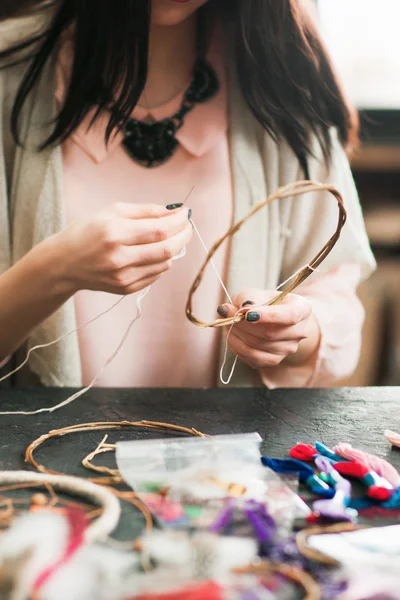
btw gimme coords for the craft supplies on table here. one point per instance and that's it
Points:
(329, 479)
(216, 483)
(226, 520)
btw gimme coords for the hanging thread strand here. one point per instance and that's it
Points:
(212, 263)
(59, 339)
(139, 299)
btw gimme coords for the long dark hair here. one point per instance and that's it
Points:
(283, 68)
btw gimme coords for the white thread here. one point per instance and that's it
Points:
(181, 254)
(211, 261)
(59, 339)
(221, 372)
(139, 299)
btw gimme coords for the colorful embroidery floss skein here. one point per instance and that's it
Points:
(327, 452)
(378, 488)
(304, 452)
(379, 465)
(336, 508)
(305, 472)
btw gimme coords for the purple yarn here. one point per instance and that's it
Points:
(334, 510)
(263, 524)
(224, 518)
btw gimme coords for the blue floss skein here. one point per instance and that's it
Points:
(327, 452)
(288, 465)
(394, 500)
(362, 503)
(305, 472)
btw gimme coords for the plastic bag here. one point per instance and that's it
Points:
(186, 482)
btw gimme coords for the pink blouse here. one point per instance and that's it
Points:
(164, 349)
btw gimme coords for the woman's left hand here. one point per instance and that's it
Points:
(271, 334)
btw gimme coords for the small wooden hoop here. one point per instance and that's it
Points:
(297, 576)
(101, 496)
(292, 190)
(312, 554)
(100, 426)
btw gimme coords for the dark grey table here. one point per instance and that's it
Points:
(281, 417)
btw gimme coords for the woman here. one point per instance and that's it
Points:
(114, 113)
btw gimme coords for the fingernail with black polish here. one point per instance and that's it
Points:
(222, 311)
(189, 213)
(253, 316)
(247, 303)
(174, 206)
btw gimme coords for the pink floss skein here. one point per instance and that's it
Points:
(392, 437)
(374, 463)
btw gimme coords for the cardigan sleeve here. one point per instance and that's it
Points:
(340, 316)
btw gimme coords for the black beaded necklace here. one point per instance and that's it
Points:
(152, 143)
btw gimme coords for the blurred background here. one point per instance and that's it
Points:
(363, 38)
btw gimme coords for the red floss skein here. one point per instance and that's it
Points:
(203, 591)
(304, 452)
(351, 469)
(359, 471)
(379, 493)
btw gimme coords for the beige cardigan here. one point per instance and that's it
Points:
(268, 249)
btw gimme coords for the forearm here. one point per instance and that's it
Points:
(30, 291)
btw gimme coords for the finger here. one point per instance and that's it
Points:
(159, 252)
(147, 231)
(245, 300)
(126, 210)
(274, 333)
(127, 276)
(256, 359)
(253, 296)
(293, 310)
(140, 285)
(282, 347)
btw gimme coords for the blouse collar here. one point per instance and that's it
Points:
(203, 127)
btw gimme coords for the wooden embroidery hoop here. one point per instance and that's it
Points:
(292, 190)
(297, 576)
(307, 551)
(113, 474)
(98, 495)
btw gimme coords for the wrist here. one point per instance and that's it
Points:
(47, 262)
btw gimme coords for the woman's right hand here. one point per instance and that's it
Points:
(122, 250)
